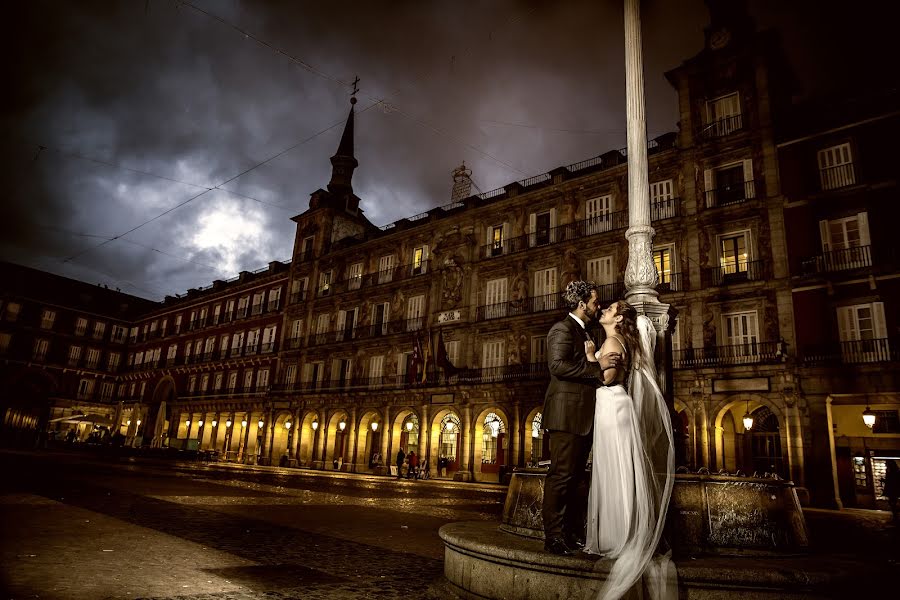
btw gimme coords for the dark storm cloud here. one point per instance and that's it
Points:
(513, 88)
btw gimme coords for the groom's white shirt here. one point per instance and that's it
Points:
(580, 322)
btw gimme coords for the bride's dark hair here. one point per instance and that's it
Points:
(627, 328)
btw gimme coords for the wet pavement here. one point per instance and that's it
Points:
(79, 526)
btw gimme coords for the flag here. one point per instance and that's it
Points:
(426, 356)
(412, 371)
(443, 361)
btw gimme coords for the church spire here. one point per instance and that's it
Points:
(343, 162)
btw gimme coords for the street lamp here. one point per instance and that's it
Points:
(868, 417)
(748, 418)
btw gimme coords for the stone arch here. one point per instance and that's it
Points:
(400, 437)
(368, 442)
(684, 429)
(307, 444)
(742, 403)
(489, 468)
(448, 443)
(537, 442)
(280, 435)
(337, 444)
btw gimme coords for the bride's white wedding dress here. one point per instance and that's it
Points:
(631, 479)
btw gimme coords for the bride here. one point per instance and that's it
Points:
(633, 465)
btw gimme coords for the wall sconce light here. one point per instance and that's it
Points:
(243, 422)
(868, 417)
(315, 425)
(200, 423)
(214, 422)
(228, 423)
(187, 423)
(374, 426)
(748, 418)
(128, 422)
(261, 423)
(138, 422)
(287, 425)
(342, 425)
(449, 426)
(409, 425)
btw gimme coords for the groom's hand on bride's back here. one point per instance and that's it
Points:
(611, 360)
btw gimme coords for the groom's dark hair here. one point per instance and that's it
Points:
(578, 291)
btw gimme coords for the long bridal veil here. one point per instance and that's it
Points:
(653, 482)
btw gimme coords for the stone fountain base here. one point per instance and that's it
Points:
(729, 534)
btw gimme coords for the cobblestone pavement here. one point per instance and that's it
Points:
(76, 527)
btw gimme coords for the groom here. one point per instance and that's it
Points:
(568, 417)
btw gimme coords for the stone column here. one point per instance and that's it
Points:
(466, 472)
(349, 464)
(517, 441)
(386, 433)
(269, 439)
(424, 442)
(640, 274)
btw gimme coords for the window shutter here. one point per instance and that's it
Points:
(863, 220)
(553, 235)
(847, 323)
(879, 323)
(708, 188)
(825, 234)
(489, 237)
(505, 233)
(532, 227)
(749, 183)
(341, 321)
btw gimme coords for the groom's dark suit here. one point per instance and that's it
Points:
(569, 417)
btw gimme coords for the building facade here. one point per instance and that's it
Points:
(429, 334)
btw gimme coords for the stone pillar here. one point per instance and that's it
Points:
(349, 464)
(466, 472)
(387, 432)
(517, 442)
(424, 441)
(832, 497)
(640, 273)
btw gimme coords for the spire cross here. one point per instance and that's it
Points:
(355, 86)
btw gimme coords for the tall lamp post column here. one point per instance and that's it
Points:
(640, 273)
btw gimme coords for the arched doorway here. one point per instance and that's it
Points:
(409, 433)
(493, 438)
(539, 444)
(308, 443)
(763, 444)
(368, 440)
(336, 448)
(281, 438)
(450, 441)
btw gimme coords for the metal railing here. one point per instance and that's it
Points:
(739, 354)
(670, 282)
(538, 304)
(298, 296)
(737, 272)
(875, 350)
(730, 194)
(838, 260)
(665, 209)
(724, 126)
(836, 177)
(554, 235)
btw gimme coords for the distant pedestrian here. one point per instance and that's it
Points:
(442, 466)
(400, 458)
(70, 437)
(413, 465)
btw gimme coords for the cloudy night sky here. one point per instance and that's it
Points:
(119, 116)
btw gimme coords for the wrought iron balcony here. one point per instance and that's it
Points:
(554, 235)
(294, 342)
(739, 354)
(722, 127)
(298, 296)
(665, 209)
(875, 350)
(837, 260)
(731, 194)
(670, 282)
(839, 176)
(738, 272)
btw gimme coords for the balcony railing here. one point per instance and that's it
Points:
(731, 194)
(739, 354)
(723, 127)
(554, 235)
(838, 260)
(294, 342)
(670, 282)
(538, 304)
(433, 377)
(739, 272)
(665, 209)
(832, 178)
(298, 296)
(862, 351)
